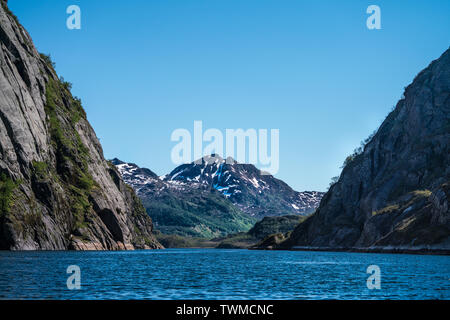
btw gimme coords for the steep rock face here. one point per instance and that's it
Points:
(56, 190)
(396, 192)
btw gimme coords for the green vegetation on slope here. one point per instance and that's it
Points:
(7, 186)
(71, 154)
(271, 225)
(239, 240)
(404, 202)
(176, 241)
(203, 215)
(262, 230)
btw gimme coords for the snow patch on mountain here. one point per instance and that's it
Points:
(243, 184)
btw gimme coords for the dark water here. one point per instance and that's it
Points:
(222, 274)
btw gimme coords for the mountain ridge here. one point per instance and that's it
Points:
(212, 198)
(242, 184)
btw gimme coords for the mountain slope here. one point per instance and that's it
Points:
(255, 194)
(261, 233)
(57, 191)
(395, 194)
(185, 209)
(212, 198)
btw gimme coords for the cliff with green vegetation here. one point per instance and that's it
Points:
(393, 194)
(57, 191)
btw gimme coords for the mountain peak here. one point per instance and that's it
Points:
(116, 161)
(243, 184)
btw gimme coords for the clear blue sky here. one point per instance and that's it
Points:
(309, 68)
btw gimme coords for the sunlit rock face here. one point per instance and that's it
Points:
(57, 191)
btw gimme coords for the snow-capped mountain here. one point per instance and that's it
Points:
(243, 184)
(254, 193)
(146, 183)
(185, 208)
(134, 175)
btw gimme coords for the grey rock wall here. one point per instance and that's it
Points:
(57, 191)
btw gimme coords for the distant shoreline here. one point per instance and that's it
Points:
(440, 252)
(418, 251)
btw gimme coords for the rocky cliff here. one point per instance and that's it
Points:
(394, 193)
(57, 191)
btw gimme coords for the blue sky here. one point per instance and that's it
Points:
(311, 69)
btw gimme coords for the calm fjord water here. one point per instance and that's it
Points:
(222, 274)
